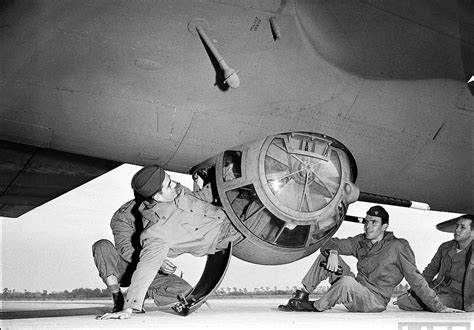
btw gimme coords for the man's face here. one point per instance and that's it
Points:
(169, 190)
(463, 231)
(373, 228)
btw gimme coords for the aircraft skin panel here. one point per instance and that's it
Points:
(30, 176)
(132, 82)
(421, 28)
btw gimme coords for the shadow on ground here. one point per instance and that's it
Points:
(10, 315)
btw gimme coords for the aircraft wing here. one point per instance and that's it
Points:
(142, 83)
(31, 176)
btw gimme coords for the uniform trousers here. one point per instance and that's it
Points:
(344, 289)
(409, 301)
(163, 290)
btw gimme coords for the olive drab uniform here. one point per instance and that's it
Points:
(381, 267)
(189, 224)
(454, 271)
(121, 260)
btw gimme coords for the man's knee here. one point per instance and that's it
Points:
(408, 303)
(169, 291)
(403, 302)
(320, 257)
(102, 245)
(170, 285)
(178, 286)
(315, 274)
(346, 281)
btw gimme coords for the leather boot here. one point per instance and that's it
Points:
(118, 302)
(302, 306)
(298, 296)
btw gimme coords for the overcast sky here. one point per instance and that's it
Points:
(50, 247)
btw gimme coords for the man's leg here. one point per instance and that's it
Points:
(409, 302)
(452, 300)
(165, 289)
(315, 275)
(449, 297)
(106, 260)
(355, 296)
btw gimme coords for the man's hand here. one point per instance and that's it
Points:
(167, 267)
(451, 310)
(333, 261)
(125, 314)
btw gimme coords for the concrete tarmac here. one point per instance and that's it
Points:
(221, 314)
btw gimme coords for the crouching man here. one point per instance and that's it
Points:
(175, 221)
(383, 261)
(117, 263)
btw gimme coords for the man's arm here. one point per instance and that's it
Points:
(343, 246)
(335, 246)
(205, 193)
(123, 228)
(416, 280)
(433, 267)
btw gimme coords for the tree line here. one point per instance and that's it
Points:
(81, 293)
(86, 293)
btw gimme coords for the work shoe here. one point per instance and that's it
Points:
(142, 311)
(301, 306)
(298, 296)
(118, 302)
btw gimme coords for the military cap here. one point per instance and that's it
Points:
(147, 182)
(378, 211)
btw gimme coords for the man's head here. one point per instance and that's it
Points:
(463, 230)
(375, 223)
(153, 183)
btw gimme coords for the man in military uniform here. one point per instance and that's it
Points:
(453, 266)
(383, 261)
(175, 221)
(116, 264)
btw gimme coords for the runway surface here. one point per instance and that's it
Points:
(220, 314)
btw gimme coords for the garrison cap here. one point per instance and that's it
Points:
(148, 180)
(378, 211)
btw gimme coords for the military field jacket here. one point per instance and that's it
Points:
(382, 266)
(440, 265)
(189, 224)
(127, 242)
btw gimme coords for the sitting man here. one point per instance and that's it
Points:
(175, 221)
(116, 264)
(383, 261)
(453, 266)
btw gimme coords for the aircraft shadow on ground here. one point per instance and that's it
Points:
(53, 313)
(30, 314)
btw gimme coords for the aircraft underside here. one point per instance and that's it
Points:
(280, 105)
(149, 82)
